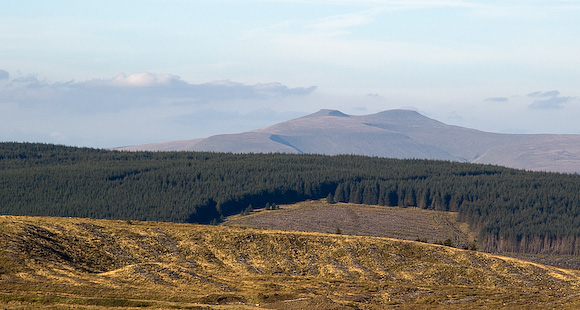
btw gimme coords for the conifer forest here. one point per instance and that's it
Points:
(511, 210)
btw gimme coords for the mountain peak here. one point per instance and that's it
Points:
(398, 114)
(397, 134)
(401, 116)
(328, 112)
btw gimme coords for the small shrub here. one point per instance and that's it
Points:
(330, 199)
(448, 242)
(247, 210)
(473, 246)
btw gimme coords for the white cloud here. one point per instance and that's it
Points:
(135, 108)
(140, 89)
(549, 100)
(145, 79)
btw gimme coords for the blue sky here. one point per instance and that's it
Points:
(113, 73)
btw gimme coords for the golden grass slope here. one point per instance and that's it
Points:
(63, 263)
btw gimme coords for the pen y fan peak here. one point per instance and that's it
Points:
(395, 134)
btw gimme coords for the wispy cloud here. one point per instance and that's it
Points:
(550, 103)
(135, 108)
(421, 4)
(139, 89)
(549, 100)
(549, 94)
(497, 99)
(345, 20)
(398, 3)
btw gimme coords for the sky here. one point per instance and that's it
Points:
(125, 72)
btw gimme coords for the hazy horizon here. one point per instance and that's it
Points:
(115, 73)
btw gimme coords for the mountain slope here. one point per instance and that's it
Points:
(396, 134)
(63, 263)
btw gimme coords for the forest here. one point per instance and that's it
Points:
(512, 210)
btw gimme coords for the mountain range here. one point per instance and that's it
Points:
(394, 134)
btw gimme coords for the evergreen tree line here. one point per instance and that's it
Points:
(513, 210)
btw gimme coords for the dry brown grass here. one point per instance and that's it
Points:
(64, 263)
(391, 222)
(363, 220)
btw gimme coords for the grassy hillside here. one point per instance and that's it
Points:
(370, 220)
(363, 220)
(60, 263)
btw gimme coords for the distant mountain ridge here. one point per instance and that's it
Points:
(395, 134)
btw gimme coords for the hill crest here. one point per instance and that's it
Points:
(394, 134)
(327, 112)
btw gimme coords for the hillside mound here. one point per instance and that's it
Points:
(99, 264)
(363, 220)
